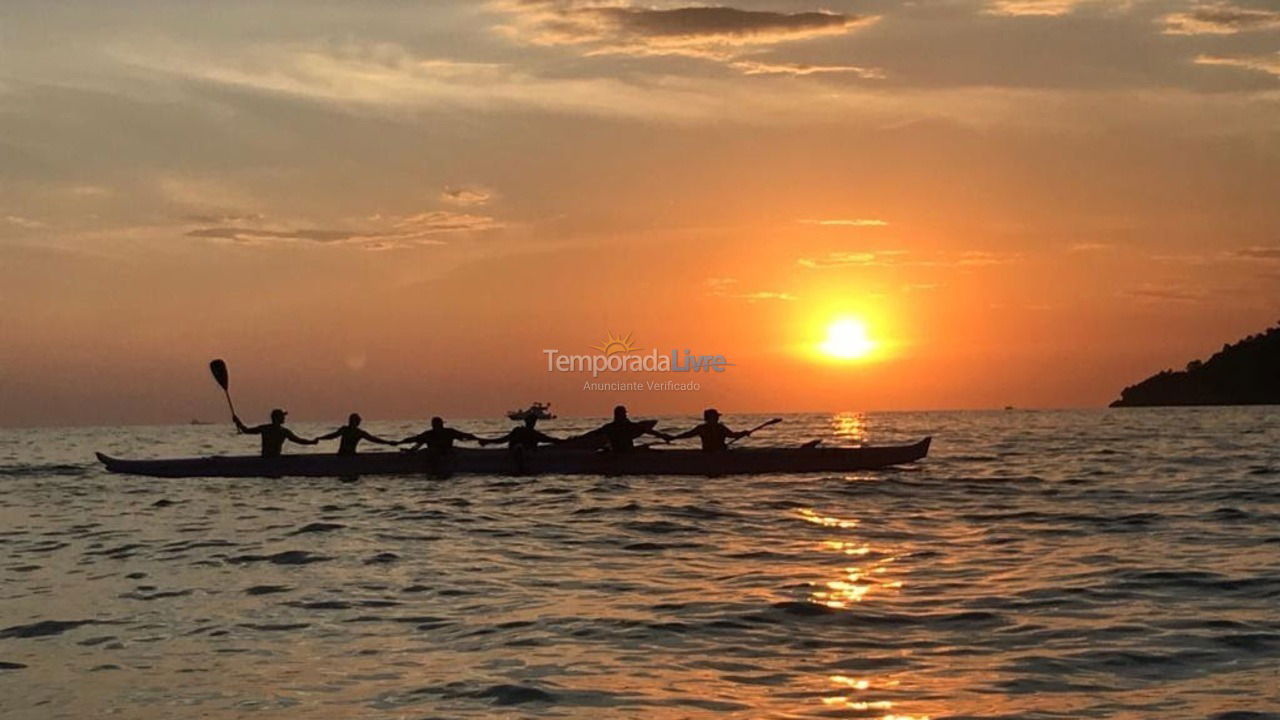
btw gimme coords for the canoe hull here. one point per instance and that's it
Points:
(543, 462)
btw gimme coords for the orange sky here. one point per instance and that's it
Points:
(395, 209)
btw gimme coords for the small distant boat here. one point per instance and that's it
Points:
(200, 422)
(541, 411)
(552, 460)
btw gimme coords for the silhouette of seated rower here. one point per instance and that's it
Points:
(273, 434)
(437, 438)
(523, 437)
(712, 432)
(351, 434)
(622, 431)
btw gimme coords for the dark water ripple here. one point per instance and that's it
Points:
(1040, 565)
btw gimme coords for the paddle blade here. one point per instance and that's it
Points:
(219, 370)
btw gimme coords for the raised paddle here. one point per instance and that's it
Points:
(219, 370)
(761, 426)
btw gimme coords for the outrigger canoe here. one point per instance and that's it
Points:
(548, 461)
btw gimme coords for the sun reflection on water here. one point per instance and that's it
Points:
(855, 581)
(846, 548)
(809, 515)
(849, 428)
(846, 701)
(874, 574)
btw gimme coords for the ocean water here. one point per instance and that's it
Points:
(1093, 564)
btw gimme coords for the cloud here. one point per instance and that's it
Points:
(755, 67)
(848, 222)
(1017, 8)
(466, 196)
(388, 81)
(217, 218)
(441, 221)
(1162, 293)
(712, 32)
(250, 236)
(840, 259)
(391, 80)
(724, 287)
(380, 233)
(764, 295)
(89, 191)
(1258, 63)
(1220, 19)
(1259, 252)
(885, 258)
(982, 258)
(23, 222)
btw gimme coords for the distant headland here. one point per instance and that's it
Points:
(1246, 373)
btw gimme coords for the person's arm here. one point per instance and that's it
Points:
(589, 439)
(417, 441)
(301, 441)
(459, 435)
(495, 441)
(545, 438)
(596, 433)
(686, 434)
(245, 429)
(375, 439)
(330, 436)
(735, 434)
(659, 434)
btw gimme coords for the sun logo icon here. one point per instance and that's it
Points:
(615, 345)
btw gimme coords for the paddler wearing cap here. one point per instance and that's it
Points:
(712, 432)
(273, 434)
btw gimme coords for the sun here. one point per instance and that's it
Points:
(847, 339)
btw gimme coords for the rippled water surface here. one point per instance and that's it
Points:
(1100, 564)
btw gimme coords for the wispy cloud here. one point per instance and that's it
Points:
(842, 259)
(377, 233)
(982, 258)
(1165, 293)
(1221, 18)
(1051, 8)
(1258, 63)
(389, 79)
(719, 33)
(728, 288)
(848, 222)
(884, 258)
(756, 67)
(222, 218)
(23, 222)
(1260, 252)
(764, 295)
(470, 196)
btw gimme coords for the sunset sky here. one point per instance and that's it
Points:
(394, 207)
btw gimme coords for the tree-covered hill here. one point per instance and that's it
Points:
(1245, 373)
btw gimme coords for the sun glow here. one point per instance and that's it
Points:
(847, 339)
